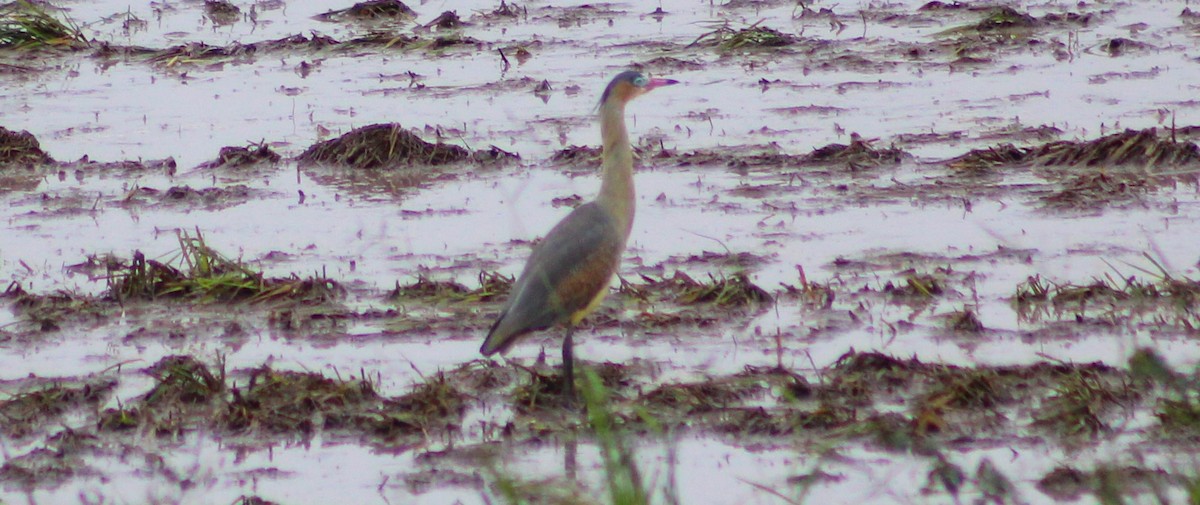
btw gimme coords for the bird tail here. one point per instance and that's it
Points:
(498, 339)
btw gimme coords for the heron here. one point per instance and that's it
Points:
(568, 273)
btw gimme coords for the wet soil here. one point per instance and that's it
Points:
(915, 251)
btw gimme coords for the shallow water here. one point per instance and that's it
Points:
(369, 237)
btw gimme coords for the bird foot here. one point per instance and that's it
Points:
(570, 395)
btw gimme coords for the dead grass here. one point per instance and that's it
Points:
(1094, 190)
(433, 406)
(295, 402)
(1080, 402)
(49, 312)
(21, 148)
(1178, 408)
(980, 159)
(492, 285)
(382, 146)
(1165, 299)
(916, 285)
(734, 291)
(857, 155)
(1002, 18)
(1144, 149)
(726, 38)
(199, 53)
(394, 10)
(235, 157)
(183, 379)
(24, 413)
(1139, 148)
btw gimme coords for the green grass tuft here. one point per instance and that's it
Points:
(27, 25)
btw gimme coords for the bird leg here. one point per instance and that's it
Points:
(568, 369)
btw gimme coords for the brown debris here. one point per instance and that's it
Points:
(183, 379)
(1120, 46)
(22, 414)
(966, 321)
(1005, 18)
(726, 38)
(858, 154)
(21, 148)
(241, 157)
(448, 20)
(371, 10)
(1090, 190)
(577, 155)
(734, 291)
(287, 402)
(221, 12)
(976, 159)
(1138, 148)
(390, 146)
(1130, 147)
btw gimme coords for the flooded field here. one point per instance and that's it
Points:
(885, 252)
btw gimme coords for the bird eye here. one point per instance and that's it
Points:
(640, 81)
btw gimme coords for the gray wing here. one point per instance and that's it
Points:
(563, 275)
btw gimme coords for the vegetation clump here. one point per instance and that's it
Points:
(25, 25)
(576, 155)
(21, 148)
(1140, 148)
(727, 38)
(1004, 17)
(183, 379)
(244, 156)
(978, 159)
(296, 402)
(1167, 299)
(1080, 401)
(733, 291)
(491, 286)
(1091, 190)
(1178, 410)
(203, 273)
(916, 285)
(24, 413)
(434, 406)
(858, 154)
(389, 146)
(221, 12)
(48, 312)
(1137, 148)
(371, 10)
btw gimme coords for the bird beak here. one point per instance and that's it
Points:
(655, 83)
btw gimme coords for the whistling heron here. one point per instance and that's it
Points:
(568, 273)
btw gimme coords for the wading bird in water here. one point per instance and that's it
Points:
(568, 273)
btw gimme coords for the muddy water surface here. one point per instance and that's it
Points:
(885, 246)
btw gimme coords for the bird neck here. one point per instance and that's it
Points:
(616, 186)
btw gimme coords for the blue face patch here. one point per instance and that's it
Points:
(631, 76)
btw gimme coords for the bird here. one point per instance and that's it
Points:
(568, 272)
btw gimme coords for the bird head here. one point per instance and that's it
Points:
(631, 84)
